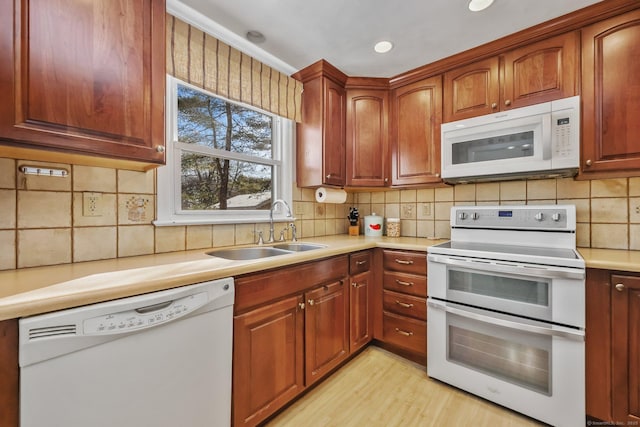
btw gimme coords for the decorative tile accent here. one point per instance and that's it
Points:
(135, 209)
(408, 211)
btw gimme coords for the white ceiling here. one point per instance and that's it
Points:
(300, 32)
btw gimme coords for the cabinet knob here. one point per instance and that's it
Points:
(494, 105)
(160, 148)
(301, 305)
(437, 175)
(507, 102)
(354, 284)
(386, 180)
(619, 287)
(310, 302)
(328, 176)
(588, 162)
(361, 262)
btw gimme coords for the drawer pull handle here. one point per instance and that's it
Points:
(404, 262)
(404, 304)
(358, 285)
(403, 283)
(361, 262)
(405, 333)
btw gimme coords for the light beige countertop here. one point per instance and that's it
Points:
(29, 291)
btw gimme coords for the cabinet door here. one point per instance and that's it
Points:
(541, 72)
(9, 373)
(626, 348)
(326, 329)
(472, 90)
(360, 319)
(267, 360)
(367, 137)
(84, 77)
(415, 149)
(334, 134)
(610, 94)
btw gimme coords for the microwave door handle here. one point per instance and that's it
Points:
(578, 335)
(547, 136)
(509, 269)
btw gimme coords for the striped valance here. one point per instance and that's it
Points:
(204, 61)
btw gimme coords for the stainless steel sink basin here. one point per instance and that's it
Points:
(299, 247)
(247, 253)
(257, 252)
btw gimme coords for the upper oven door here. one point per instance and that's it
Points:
(550, 293)
(509, 145)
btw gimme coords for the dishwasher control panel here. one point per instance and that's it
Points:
(144, 317)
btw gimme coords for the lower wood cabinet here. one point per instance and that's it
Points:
(9, 374)
(613, 346)
(291, 328)
(360, 299)
(404, 303)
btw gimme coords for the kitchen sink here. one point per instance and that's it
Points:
(298, 247)
(257, 252)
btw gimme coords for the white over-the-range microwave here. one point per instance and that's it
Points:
(541, 140)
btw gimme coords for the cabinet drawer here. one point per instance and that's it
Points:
(359, 262)
(406, 262)
(405, 332)
(405, 305)
(405, 283)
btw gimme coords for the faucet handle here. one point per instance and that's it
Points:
(282, 239)
(294, 237)
(260, 239)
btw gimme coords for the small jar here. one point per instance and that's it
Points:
(393, 227)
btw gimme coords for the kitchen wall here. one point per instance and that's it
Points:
(48, 221)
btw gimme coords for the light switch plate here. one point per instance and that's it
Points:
(92, 204)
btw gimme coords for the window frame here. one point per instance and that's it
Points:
(168, 192)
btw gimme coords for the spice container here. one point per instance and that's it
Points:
(393, 227)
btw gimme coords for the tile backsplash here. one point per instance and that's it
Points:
(99, 213)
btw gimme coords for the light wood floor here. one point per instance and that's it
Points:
(378, 388)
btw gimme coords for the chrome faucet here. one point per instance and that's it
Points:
(271, 231)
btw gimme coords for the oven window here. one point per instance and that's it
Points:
(529, 291)
(493, 148)
(520, 358)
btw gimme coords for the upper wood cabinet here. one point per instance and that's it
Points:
(367, 137)
(610, 94)
(416, 115)
(321, 135)
(534, 73)
(83, 77)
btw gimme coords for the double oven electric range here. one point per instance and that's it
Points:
(506, 318)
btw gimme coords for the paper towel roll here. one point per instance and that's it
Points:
(330, 195)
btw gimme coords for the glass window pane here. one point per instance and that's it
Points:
(507, 288)
(211, 183)
(493, 148)
(213, 122)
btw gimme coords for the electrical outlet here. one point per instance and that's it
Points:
(426, 209)
(92, 204)
(638, 209)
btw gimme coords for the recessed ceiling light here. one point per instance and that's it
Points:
(383, 46)
(255, 37)
(478, 5)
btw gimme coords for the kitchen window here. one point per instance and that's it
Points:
(226, 161)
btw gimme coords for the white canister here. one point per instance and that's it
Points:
(373, 225)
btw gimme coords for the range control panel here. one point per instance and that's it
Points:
(542, 217)
(144, 317)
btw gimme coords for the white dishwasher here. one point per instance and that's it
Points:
(159, 359)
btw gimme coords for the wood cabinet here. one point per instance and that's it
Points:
(361, 285)
(367, 137)
(321, 150)
(83, 78)
(610, 93)
(290, 329)
(416, 115)
(9, 374)
(404, 300)
(538, 72)
(613, 346)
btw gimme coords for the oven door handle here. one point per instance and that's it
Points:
(576, 335)
(522, 270)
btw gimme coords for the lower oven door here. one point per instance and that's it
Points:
(532, 367)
